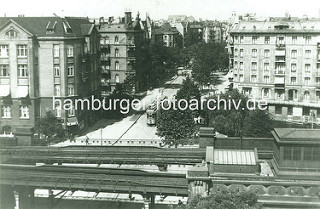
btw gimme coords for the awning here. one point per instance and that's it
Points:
(22, 91)
(73, 121)
(4, 90)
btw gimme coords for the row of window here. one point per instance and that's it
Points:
(278, 66)
(22, 51)
(56, 50)
(266, 79)
(22, 71)
(106, 40)
(57, 73)
(294, 52)
(70, 90)
(280, 39)
(301, 153)
(6, 112)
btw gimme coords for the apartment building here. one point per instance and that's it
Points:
(43, 57)
(278, 60)
(121, 41)
(168, 35)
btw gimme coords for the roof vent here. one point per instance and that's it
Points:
(67, 27)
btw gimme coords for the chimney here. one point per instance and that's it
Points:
(110, 20)
(127, 18)
(305, 17)
(101, 20)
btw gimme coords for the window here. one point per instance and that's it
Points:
(307, 153)
(266, 66)
(290, 110)
(253, 78)
(56, 71)
(266, 79)
(287, 153)
(69, 51)
(267, 40)
(241, 52)
(316, 153)
(235, 52)
(254, 66)
(4, 51)
(307, 68)
(308, 39)
(241, 65)
(6, 112)
(71, 112)
(236, 39)
(307, 80)
(117, 65)
(70, 89)
(116, 40)
(4, 70)
(117, 79)
(70, 70)
(11, 34)
(22, 50)
(254, 53)
(281, 40)
(278, 110)
(266, 93)
(293, 80)
(294, 54)
(241, 39)
(308, 54)
(57, 90)
(116, 52)
(107, 40)
(236, 64)
(241, 79)
(266, 53)
(294, 39)
(247, 91)
(293, 67)
(22, 71)
(24, 112)
(306, 95)
(254, 39)
(296, 153)
(58, 111)
(56, 50)
(318, 81)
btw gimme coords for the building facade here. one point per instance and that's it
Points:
(42, 58)
(278, 60)
(120, 41)
(167, 35)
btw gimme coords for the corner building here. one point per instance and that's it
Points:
(278, 60)
(42, 57)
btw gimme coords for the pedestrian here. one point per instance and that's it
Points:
(87, 140)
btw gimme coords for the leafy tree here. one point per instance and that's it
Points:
(176, 126)
(238, 121)
(50, 127)
(224, 200)
(189, 90)
(207, 59)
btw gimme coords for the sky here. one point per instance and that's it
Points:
(160, 9)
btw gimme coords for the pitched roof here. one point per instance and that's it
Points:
(38, 25)
(166, 29)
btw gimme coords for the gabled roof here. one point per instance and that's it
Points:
(166, 29)
(38, 25)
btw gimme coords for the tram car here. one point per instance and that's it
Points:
(152, 114)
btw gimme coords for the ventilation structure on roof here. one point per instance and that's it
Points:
(67, 27)
(51, 27)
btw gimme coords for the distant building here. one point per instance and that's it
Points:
(168, 35)
(213, 32)
(120, 40)
(42, 57)
(278, 60)
(194, 33)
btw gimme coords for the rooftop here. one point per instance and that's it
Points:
(296, 135)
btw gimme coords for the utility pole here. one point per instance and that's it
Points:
(101, 135)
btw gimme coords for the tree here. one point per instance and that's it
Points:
(207, 59)
(50, 127)
(224, 200)
(189, 90)
(176, 126)
(238, 121)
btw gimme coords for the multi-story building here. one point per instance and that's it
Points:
(43, 57)
(120, 42)
(168, 35)
(278, 60)
(213, 32)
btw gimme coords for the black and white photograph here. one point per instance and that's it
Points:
(160, 104)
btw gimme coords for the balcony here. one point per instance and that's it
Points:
(280, 45)
(105, 58)
(317, 74)
(280, 59)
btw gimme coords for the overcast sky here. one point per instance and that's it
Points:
(205, 9)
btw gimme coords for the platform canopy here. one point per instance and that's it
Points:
(234, 157)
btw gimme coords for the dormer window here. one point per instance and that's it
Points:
(67, 27)
(11, 34)
(50, 27)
